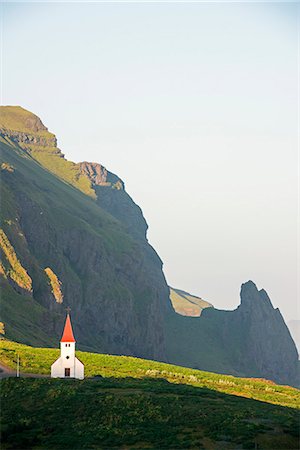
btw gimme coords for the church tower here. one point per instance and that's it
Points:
(67, 366)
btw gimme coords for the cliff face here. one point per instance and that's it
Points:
(251, 341)
(99, 176)
(72, 236)
(112, 197)
(267, 342)
(113, 282)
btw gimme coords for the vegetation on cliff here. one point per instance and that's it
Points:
(104, 272)
(187, 304)
(16, 118)
(15, 270)
(8, 167)
(55, 285)
(66, 170)
(112, 278)
(27, 131)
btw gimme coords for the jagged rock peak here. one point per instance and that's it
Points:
(270, 350)
(99, 175)
(252, 297)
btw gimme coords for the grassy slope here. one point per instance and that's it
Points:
(21, 316)
(15, 118)
(142, 404)
(66, 170)
(54, 196)
(187, 304)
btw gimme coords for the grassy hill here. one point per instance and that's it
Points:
(136, 403)
(18, 124)
(187, 304)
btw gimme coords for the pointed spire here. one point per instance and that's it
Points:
(68, 335)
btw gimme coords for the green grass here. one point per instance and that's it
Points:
(66, 170)
(39, 360)
(141, 404)
(15, 117)
(63, 205)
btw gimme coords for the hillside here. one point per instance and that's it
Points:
(186, 304)
(137, 403)
(105, 275)
(70, 235)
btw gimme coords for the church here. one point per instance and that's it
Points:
(67, 365)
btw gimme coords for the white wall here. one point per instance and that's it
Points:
(67, 360)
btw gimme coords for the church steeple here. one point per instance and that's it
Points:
(67, 365)
(68, 335)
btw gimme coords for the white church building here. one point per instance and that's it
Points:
(67, 365)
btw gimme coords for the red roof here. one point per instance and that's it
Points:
(68, 335)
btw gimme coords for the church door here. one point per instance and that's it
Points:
(67, 372)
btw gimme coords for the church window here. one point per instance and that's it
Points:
(67, 357)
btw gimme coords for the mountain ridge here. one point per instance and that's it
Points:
(74, 220)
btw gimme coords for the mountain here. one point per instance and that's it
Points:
(50, 219)
(252, 340)
(72, 236)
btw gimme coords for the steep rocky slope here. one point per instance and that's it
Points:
(72, 236)
(116, 291)
(252, 340)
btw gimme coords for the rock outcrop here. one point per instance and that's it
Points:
(267, 341)
(99, 176)
(24, 128)
(113, 198)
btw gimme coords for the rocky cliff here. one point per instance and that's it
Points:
(251, 341)
(266, 339)
(113, 283)
(112, 197)
(72, 236)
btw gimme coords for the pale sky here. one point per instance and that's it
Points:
(194, 106)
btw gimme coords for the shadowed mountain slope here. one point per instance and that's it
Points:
(72, 236)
